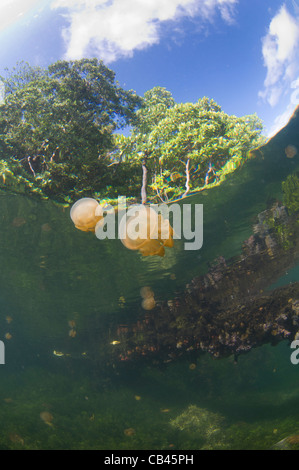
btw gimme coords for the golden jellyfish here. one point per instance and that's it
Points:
(86, 213)
(149, 303)
(129, 432)
(291, 151)
(46, 227)
(72, 333)
(146, 231)
(46, 417)
(16, 439)
(146, 292)
(18, 222)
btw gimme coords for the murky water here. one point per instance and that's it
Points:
(86, 367)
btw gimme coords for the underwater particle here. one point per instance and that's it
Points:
(165, 410)
(18, 222)
(8, 319)
(7, 400)
(129, 432)
(46, 227)
(85, 214)
(72, 333)
(58, 353)
(137, 397)
(46, 417)
(148, 304)
(71, 324)
(115, 342)
(121, 301)
(290, 151)
(192, 366)
(8, 336)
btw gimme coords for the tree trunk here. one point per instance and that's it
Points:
(144, 182)
(187, 178)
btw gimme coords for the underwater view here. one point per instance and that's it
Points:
(149, 282)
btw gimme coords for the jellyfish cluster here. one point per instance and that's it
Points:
(141, 229)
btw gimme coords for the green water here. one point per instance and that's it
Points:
(256, 399)
(55, 278)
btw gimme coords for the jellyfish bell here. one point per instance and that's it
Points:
(146, 292)
(138, 227)
(291, 151)
(86, 213)
(148, 304)
(145, 230)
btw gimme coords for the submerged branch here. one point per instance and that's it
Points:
(227, 311)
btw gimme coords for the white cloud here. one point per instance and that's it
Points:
(12, 10)
(280, 49)
(111, 29)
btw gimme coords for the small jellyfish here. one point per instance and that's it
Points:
(18, 222)
(149, 303)
(146, 292)
(46, 227)
(86, 213)
(290, 151)
(46, 417)
(129, 432)
(72, 333)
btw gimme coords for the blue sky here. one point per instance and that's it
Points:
(242, 53)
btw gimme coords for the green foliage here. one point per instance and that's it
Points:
(58, 136)
(171, 136)
(290, 189)
(59, 122)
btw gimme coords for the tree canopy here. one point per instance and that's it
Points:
(61, 136)
(187, 146)
(60, 121)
